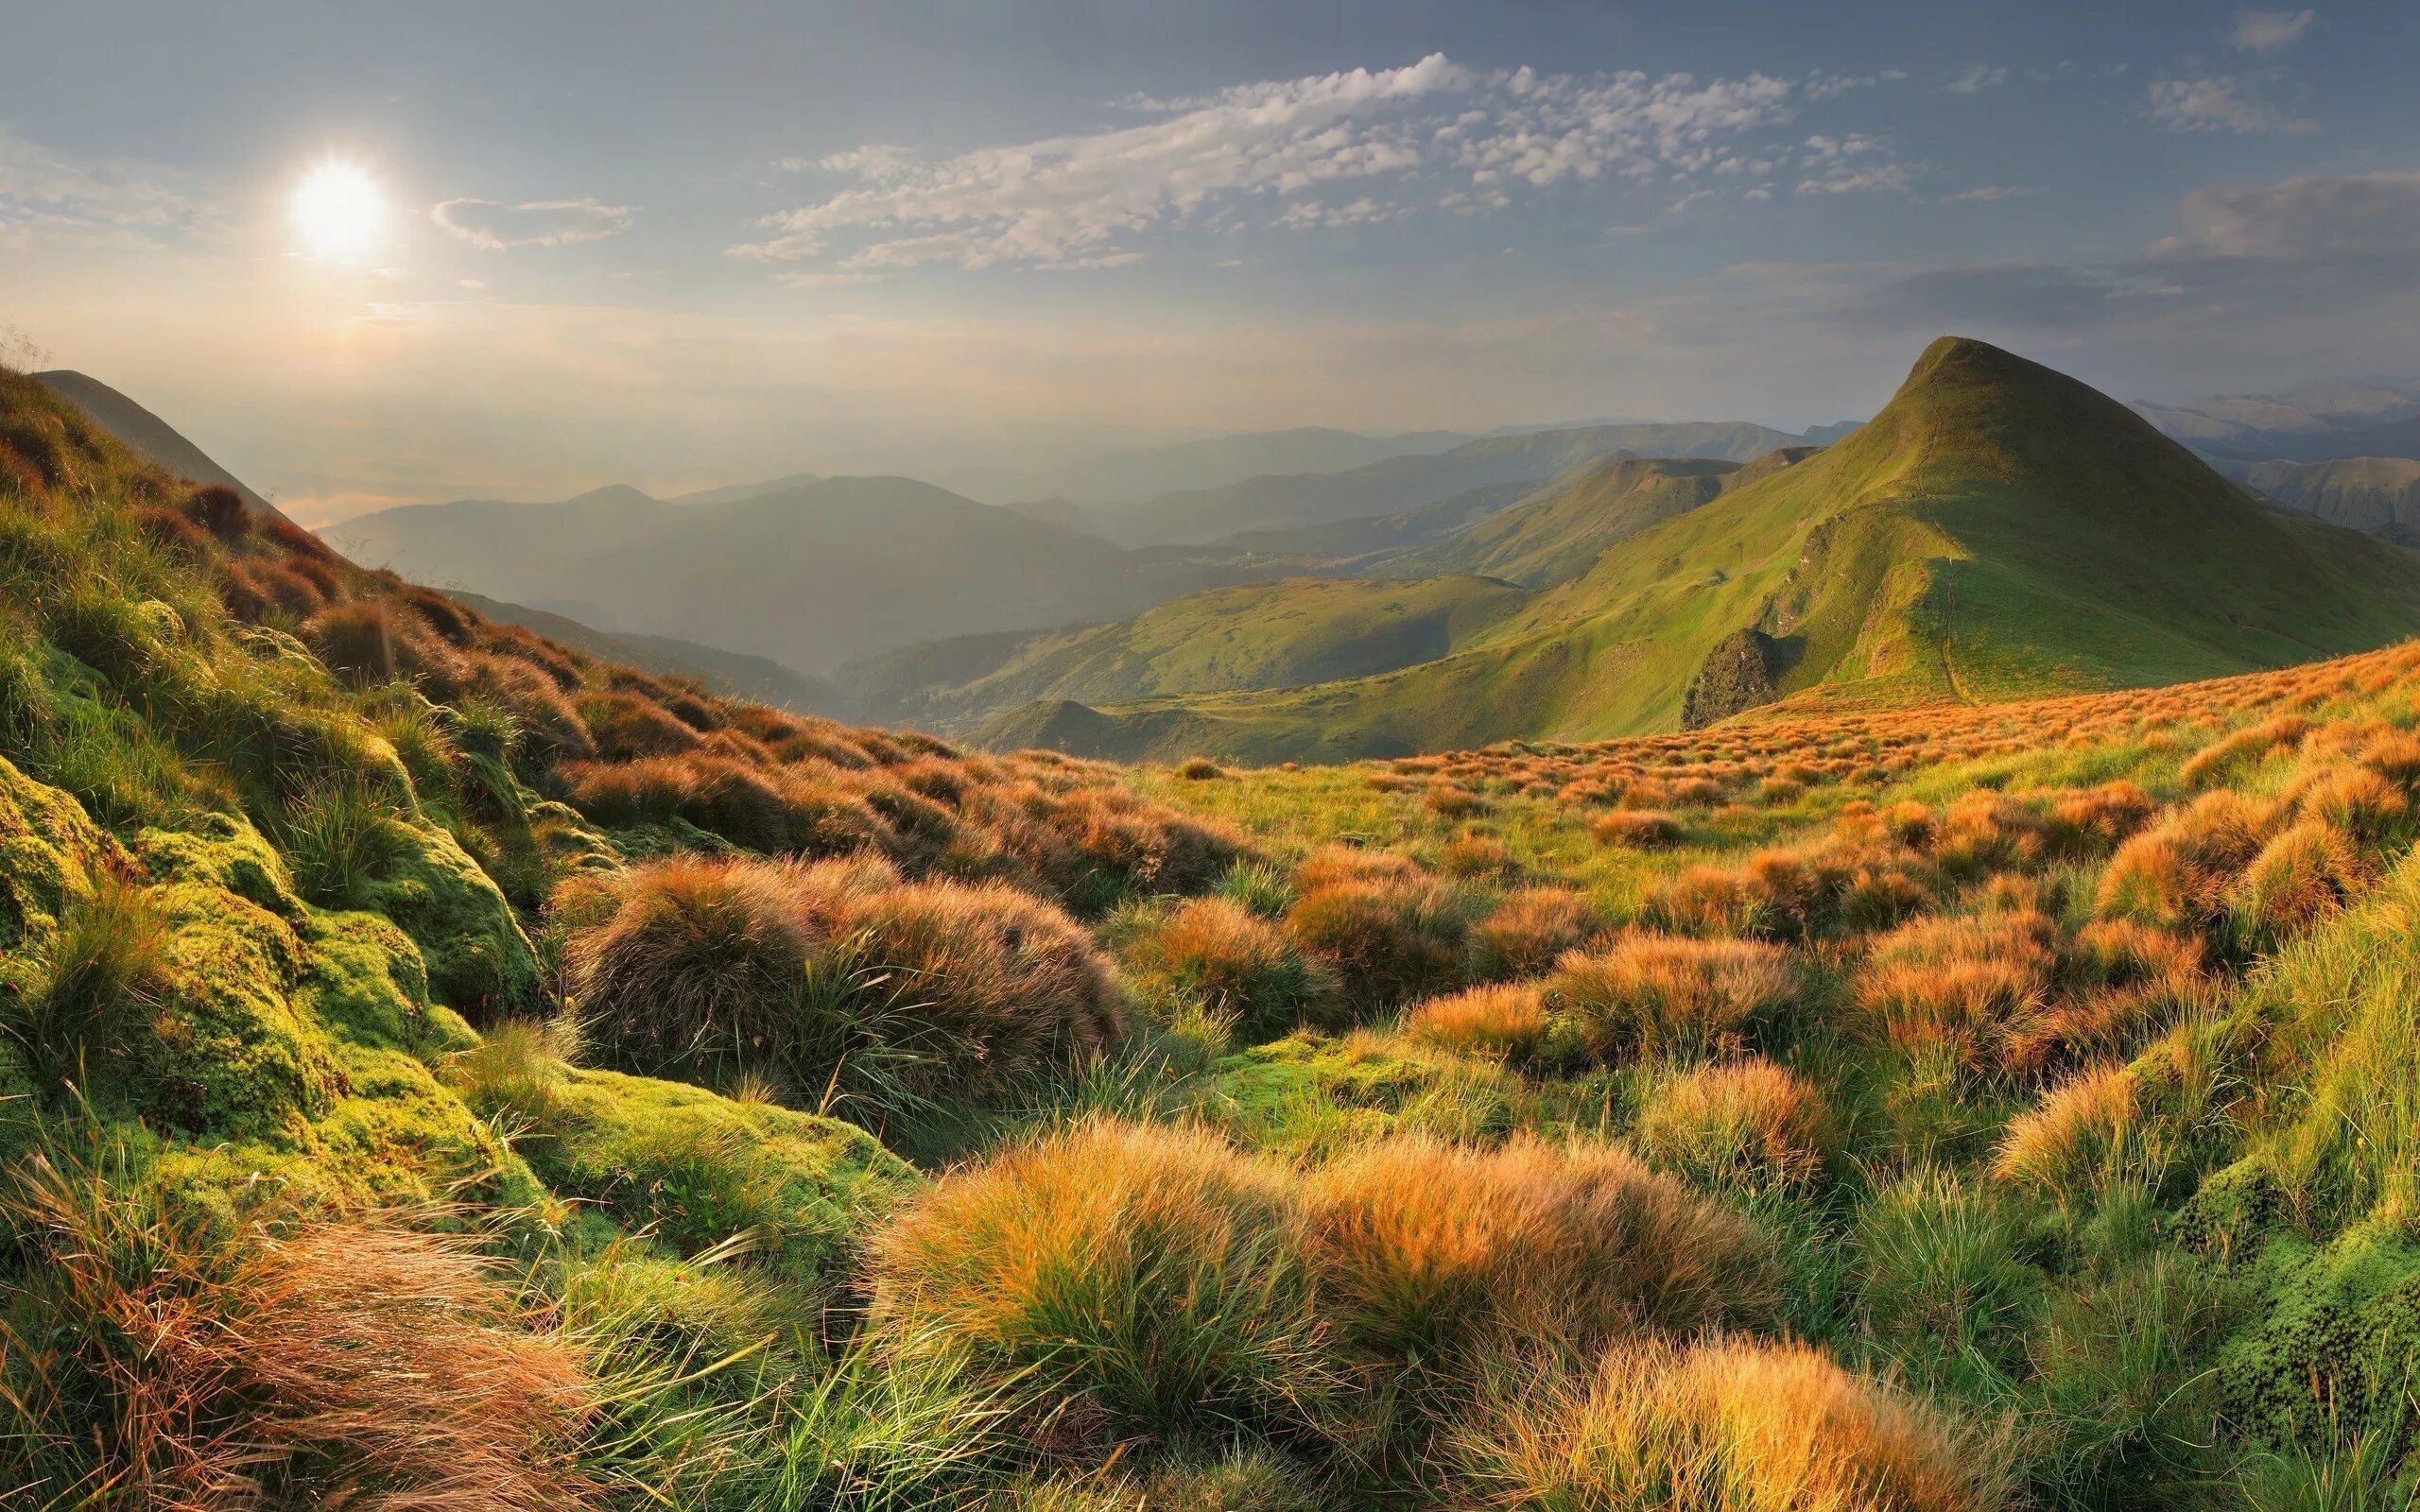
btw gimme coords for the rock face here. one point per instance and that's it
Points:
(1738, 674)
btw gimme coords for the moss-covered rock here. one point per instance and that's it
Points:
(2335, 1341)
(479, 959)
(50, 852)
(702, 1169)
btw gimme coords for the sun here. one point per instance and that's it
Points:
(339, 211)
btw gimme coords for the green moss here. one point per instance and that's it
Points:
(2334, 1343)
(225, 851)
(479, 959)
(702, 1169)
(49, 850)
(1309, 1093)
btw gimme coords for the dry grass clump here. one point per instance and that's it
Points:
(1639, 828)
(365, 1363)
(1649, 995)
(1237, 964)
(1964, 985)
(1749, 1122)
(2226, 758)
(715, 968)
(1854, 880)
(1504, 1018)
(1140, 1276)
(2073, 1136)
(1424, 1249)
(2178, 874)
(1476, 855)
(1386, 932)
(1530, 931)
(2303, 874)
(1727, 1426)
(2358, 800)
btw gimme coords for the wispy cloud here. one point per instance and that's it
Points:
(45, 194)
(2220, 103)
(494, 226)
(2316, 215)
(1976, 79)
(2269, 31)
(1338, 149)
(1988, 194)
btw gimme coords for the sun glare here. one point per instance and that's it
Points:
(338, 211)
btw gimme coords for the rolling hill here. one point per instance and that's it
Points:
(733, 674)
(1997, 529)
(2377, 495)
(1210, 462)
(1252, 636)
(1404, 482)
(810, 576)
(145, 433)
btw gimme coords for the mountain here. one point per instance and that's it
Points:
(1147, 472)
(731, 673)
(810, 576)
(145, 433)
(2376, 495)
(1997, 529)
(1252, 636)
(1556, 535)
(733, 493)
(2323, 422)
(1402, 482)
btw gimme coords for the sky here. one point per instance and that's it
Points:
(683, 246)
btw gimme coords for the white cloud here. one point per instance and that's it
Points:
(45, 194)
(2269, 31)
(2315, 215)
(1337, 149)
(1976, 79)
(2221, 103)
(1989, 194)
(495, 227)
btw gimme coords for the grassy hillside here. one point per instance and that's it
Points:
(1402, 482)
(810, 576)
(440, 1069)
(2377, 495)
(145, 433)
(1258, 635)
(1997, 529)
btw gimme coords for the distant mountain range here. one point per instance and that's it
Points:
(2379, 495)
(2322, 423)
(1147, 472)
(1997, 529)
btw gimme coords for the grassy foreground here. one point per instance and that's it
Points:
(444, 1070)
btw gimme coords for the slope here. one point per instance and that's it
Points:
(2376, 495)
(1401, 483)
(733, 674)
(145, 433)
(1252, 636)
(1998, 528)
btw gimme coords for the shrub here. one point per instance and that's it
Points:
(1639, 828)
(1749, 1123)
(1200, 769)
(1238, 965)
(1734, 1426)
(1142, 1275)
(1507, 1020)
(817, 974)
(147, 1361)
(1387, 941)
(1425, 1248)
(1651, 995)
(1530, 930)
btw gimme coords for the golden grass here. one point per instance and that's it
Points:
(1507, 1020)
(1659, 995)
(1749, 1122)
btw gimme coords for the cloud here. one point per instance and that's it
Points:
(494, 226)
(2313, 217)
(1976, 79)
(47, 195)
(1337, 149)
(2221, 103)
(1856, 164)
(1989, 194)
(2269, 31)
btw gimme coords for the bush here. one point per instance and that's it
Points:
(1425, 1248)
(1749, 1123)
(837, 976)
(1650, 995)
(1388, 940)
(1507, 1020)
(1200, 769)
(1529, 931)
(1733, 1426)
(1238, 966)
(1140, 1277)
